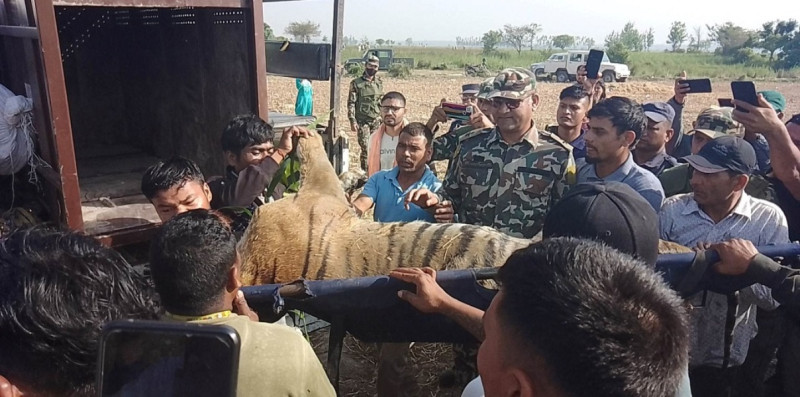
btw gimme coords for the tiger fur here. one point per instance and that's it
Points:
(315, 234)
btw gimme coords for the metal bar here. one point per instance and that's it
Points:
(335, 344)
(259, 80)
(59, 113)
(156, 3)
(336, 59)
(23, 32)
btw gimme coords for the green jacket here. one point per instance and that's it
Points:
(363, 99)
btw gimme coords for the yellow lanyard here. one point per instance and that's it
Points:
(211, 316)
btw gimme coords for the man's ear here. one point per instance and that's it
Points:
(207, 191)
(234, 279)
(740, 182)
(630, 137)
(534, 101)
(670, 133)
(231, 158)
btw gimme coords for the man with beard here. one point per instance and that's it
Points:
(383, 140)
(363, 107)
(651, 150)
(615, 125)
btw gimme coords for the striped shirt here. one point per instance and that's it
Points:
(763, 223)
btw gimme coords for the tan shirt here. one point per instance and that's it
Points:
(275, 360)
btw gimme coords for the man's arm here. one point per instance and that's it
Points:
(352, 97)
(362, 204)
(784, 155)
(431, 298)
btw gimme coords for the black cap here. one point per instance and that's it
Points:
(609, 212)
(726, 153)
(659, 111)
(470, 89)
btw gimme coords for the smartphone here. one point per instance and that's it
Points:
(745, 91)
(150, 358)
(725, 102)
(593, 62)
(457, 111)
(698, 85)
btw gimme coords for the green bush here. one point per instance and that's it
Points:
(355, 70)
(399, 70)
(441, 66)
(423, 64)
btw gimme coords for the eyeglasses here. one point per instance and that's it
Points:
(393, 109)
(469, 98)
(511, 104)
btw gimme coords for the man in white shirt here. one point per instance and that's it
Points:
(383, 141)
(716, 211)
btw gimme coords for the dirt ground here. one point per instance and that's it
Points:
(423, 91)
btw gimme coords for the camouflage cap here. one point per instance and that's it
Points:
(715, 122)
(486, 88)
(513, 83)
(373, 59)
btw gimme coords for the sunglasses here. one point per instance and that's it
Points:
(393, 109)
(511, 104)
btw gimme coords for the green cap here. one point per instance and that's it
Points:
(776, 99)
(513, 83)
(715, 122)
(486, 88)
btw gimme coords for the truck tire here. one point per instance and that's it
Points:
(562, 76)
(622, 79)
(539, 72)
(608, 76)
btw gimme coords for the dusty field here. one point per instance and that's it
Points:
(423, 91)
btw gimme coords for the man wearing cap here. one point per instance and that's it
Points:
(363, 106)
(506, 177)
(444, 146)
(611, 213)
(574, 102)
(615, 125)
(651, 150)
(711, 123)
(757, 139)
(718, 210)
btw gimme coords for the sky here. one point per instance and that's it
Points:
(444, 20)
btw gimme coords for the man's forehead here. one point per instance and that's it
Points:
(179, 192)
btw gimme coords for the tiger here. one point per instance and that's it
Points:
(315, 234)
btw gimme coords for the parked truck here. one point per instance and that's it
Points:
(386, 56)
(564, 66)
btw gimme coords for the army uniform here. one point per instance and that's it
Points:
(363, 108)
(445, 146)
(508, 187)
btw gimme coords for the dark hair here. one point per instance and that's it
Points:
(243, 131)
(394, 95)
(419, 129)
(589, 311)
(57, 290)
(165, 175)
(602, 85)
(575, 92)
(190, 260)
(625, 114)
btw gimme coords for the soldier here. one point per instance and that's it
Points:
(506, 177)
(363, 105)
(444, 146)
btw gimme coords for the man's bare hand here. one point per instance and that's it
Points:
(430, 297)
(422, 197)
(479, 119)
(734, 256)
(761, 118)
(7, 389)
(241, 307)
(681, 88)
(701, 246)
(437, 116)
(443, 212)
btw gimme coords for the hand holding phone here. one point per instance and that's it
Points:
(744, 91)
(697, 85)
(593, 61)
(457, 111)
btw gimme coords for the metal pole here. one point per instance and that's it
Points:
(336, 60)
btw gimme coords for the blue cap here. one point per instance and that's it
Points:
(726, 153)
(470, 89)
(659, 111)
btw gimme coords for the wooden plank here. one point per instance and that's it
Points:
(260, 73)
(59, 113)
(154, 3)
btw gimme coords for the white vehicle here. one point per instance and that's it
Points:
(564, 66)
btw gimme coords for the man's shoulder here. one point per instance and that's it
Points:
(767, 208)
(553, 139)
(474, 136)
(678, 201)
(646, 178)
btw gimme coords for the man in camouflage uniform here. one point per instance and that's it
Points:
(506, 177)
(363, 105)
(444, 146)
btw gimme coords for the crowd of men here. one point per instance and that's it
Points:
(582, 312)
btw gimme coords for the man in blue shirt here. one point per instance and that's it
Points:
(615, 124)
(386, 190)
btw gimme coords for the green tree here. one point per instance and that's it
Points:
(649, 39)
(303, 31)
(677, 35)
(730, 38)
(409, 42)
(789, 57)
(545, 42)
(533, 30)
(491, 40)
(775, 35)
(380, 42)
(516, 36)
(631, 38)
(563, 41)
(268, 33)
